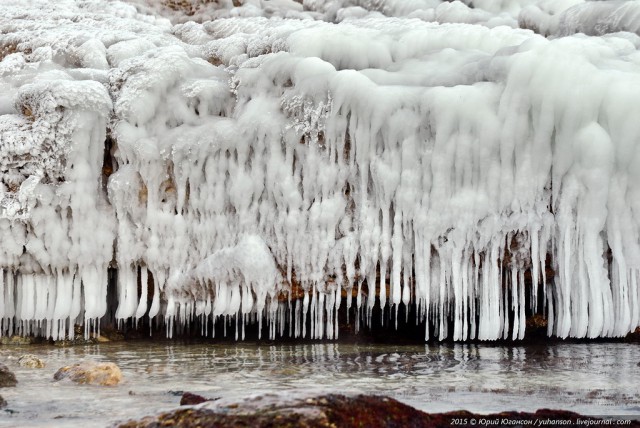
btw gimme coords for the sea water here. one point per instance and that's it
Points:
(591, 378)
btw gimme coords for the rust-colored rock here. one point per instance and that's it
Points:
(537, 324)
(103, 374)
(189, 399)
(335, 411)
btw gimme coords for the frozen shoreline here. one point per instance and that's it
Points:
(369, 148)
(589, 378)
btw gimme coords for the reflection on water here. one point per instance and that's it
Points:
(587, 378)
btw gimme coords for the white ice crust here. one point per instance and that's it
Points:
(228, 156)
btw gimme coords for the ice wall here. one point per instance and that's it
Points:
(261, 165)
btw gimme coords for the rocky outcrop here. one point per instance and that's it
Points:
(103, 374)
(7, 378)
(337, 411)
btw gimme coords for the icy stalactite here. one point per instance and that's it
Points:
(387, 158)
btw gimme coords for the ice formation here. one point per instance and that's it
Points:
(263, 159)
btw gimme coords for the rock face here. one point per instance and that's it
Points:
(331, 411)
(103, 374)
(31, 361)
(7, 378)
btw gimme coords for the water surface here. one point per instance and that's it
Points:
(594, 378)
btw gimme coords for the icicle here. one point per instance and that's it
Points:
(383, 289)
(535, 269)
(63, 301)
(158, 282)
(142, 306)
(2, 300)
(228, 209)
(515, 305)
(305, 308)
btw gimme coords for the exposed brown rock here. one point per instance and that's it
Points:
(335, 411)
(103, 374)
(214, 60)
(536, 322)
(7, 378)
(7, 50)
(633, 337)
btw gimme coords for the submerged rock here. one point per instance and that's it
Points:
(329, 411)
(31, 361)
(189, 399)
(3, 402)
(7, 378)
(103, 374)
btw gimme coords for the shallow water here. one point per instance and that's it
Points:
(596, 378)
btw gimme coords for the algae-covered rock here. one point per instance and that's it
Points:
(31, 361)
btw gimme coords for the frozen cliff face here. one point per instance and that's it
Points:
(426, 152)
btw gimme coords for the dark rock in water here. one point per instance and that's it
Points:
(189, 399)
(337, 411)
(7, 378)
(3, 402)
(634, 336)
(111, 334)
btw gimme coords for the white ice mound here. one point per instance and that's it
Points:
(249, 262)
(594, 18)
(239, 275)
(249, 168)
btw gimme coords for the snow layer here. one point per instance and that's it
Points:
(427, 153)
